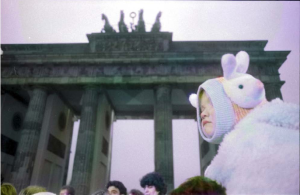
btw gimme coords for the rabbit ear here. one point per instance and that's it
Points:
(242, 61)
(228, 65)
(193, 99)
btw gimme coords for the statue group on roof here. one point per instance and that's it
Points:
(139, 28)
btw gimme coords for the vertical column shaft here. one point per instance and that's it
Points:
(273, 91)
(30, 135)
(163, 134)
(85, 143)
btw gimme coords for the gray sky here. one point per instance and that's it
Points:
(50, 21)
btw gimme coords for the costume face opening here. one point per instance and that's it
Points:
(207, 115)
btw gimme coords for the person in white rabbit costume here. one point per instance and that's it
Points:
(259, 140)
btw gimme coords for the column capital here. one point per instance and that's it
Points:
(93, 87)
(33, 89)
(162, 90)
(169, 86)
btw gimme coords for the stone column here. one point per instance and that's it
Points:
(273, 90)
(85, 144)
(163, 134)
(30, 135)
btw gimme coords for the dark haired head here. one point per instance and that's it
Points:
(199, 185)
(117, 184)
(70, 190)
(135, 192)
(154, 179)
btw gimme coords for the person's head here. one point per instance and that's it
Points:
(199, 185)
(8, 189)
(135, 192)
(67, 190)
(229, 98)
(116, 188)
(30, 190)
(153, 184)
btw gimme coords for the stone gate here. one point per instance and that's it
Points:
(114, 76)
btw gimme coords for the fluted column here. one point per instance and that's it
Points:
(163, 134)
(85, 143)
(273, 90)
(27, 149)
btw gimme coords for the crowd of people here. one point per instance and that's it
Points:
(152, 183)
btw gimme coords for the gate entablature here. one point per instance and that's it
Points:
(171, 62)
(175, 47)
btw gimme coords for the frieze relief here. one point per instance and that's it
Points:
(7, 72)
(109, 70)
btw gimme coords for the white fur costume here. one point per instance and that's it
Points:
(261, 154)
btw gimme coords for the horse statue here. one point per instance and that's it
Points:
(141, 24)
(156, 26)
(122, 25)
(107, 27)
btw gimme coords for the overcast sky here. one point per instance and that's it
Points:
(53, 21)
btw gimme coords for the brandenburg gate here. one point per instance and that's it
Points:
(124, 75)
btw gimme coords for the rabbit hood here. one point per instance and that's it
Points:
(232, 96)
